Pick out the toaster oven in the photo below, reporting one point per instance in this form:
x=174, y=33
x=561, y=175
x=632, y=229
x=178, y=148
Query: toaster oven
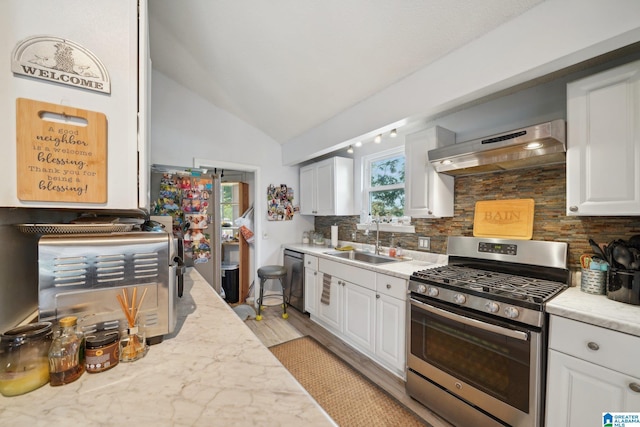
x=82, y=275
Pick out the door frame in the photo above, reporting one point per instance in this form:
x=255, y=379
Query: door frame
x=257, y=201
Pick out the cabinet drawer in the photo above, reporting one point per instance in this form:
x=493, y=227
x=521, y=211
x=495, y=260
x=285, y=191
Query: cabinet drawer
x=310, y=261
x=359, y=276
x=594, y=344
x=395, y=287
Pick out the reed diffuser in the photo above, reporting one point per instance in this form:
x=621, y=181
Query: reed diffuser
x=133, y=345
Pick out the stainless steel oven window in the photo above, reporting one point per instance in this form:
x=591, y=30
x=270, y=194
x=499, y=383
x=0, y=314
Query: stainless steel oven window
x=491, y=361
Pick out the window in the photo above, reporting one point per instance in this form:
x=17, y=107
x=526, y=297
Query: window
x=384, y=183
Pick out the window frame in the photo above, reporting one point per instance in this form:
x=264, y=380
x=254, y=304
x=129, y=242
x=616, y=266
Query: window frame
x=367, y=188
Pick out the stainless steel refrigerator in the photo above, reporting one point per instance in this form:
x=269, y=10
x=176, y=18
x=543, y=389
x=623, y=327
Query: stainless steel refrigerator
x=189, y=200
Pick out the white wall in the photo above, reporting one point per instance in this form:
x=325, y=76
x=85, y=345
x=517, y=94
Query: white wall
x=549, y=37
x=184, y=126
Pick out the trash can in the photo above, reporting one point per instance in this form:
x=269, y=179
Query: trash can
x=230, y=282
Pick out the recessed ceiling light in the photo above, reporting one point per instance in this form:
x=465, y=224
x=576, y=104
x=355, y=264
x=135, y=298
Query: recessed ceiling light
x=358, y=144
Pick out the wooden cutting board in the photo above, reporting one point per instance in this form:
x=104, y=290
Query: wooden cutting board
x=61, y=153
x=506, y=219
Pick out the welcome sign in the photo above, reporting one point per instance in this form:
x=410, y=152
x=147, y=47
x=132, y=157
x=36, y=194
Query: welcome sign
x=60, y=61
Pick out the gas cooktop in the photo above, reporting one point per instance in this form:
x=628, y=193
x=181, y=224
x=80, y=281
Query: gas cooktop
x=510, y=279
x=490, y=283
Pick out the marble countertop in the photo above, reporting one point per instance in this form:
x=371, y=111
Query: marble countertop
x=212, y=371
x=412, y=261
x=596, y=310
x=574, y=304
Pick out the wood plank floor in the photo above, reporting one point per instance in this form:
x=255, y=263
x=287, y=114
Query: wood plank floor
x=273, y=329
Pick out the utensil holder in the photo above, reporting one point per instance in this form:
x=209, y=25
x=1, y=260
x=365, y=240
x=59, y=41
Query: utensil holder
x=593, y=282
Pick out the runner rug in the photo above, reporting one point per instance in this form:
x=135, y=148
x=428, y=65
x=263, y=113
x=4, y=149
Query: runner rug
x=346, y=395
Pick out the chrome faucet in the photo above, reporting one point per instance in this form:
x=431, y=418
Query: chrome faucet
x=377, y=221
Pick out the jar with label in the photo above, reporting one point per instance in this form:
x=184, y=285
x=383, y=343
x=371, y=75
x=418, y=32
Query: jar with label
x=66, y=356
x=23, y=358
x=102, y=351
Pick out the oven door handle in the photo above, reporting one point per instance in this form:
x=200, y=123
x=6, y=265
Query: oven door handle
x=519, y=335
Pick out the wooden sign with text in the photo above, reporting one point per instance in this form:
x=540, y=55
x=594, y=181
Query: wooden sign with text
x=61, y=153
x=506, y=219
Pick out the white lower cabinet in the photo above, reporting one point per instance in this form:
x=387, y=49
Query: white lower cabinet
x=331, y=314
x=589, y=372
x=311, y=286
x=391, y=309
x=368, y=312
x=359, y=315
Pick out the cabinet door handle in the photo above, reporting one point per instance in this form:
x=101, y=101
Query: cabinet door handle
x=388, y=286
x=573, y=208
x=593, y=346
x=635, y=387
x=378, y=296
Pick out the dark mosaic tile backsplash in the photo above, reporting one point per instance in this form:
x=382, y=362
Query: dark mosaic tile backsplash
x=547, y=186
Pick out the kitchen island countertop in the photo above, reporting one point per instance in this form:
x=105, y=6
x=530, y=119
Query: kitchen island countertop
x=596, y=310
x=212, y=371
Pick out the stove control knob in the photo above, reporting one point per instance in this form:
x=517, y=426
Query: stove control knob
x=421, y=289
x=492, y=307
x=459, y=299
x=432, y=292
x=511, y=312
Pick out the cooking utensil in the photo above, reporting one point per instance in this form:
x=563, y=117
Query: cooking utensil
x=597, y=250
x=635, y=253
x=622, y=255
x=634, y=242
x=585, y=261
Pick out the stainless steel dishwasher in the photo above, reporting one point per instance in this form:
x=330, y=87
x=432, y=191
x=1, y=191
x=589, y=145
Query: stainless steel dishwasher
x=294, y=283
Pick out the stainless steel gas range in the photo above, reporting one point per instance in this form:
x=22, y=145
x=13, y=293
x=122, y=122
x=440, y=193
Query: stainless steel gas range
x=477, y=330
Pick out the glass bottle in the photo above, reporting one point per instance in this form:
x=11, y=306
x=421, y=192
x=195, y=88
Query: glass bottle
x=23, y=358
x=392, y=246
x=66, y=356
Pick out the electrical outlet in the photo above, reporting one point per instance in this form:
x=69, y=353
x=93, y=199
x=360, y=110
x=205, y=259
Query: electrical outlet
x=424, y=243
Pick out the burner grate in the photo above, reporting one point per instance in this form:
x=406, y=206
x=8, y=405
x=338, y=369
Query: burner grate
x=491, y=283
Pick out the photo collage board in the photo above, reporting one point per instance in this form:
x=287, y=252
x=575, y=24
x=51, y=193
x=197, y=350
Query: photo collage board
x=186, y=199
x=280, y=203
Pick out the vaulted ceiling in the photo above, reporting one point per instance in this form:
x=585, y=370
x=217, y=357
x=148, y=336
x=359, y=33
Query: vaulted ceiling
x=286, y=66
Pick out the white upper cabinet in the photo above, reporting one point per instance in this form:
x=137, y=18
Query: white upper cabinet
x=428, y=194
x=326, y=187
x=603, y=143
x=87, y=38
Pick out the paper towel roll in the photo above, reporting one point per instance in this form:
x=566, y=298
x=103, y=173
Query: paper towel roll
x=334, y=236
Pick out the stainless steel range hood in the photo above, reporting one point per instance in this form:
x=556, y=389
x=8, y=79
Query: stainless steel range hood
x=538, y=145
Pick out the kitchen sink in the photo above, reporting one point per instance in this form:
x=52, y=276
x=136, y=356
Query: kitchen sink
x=363, y=257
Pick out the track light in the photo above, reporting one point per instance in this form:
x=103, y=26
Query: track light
x=378, y=139
x=350, y=150
x=393, y=133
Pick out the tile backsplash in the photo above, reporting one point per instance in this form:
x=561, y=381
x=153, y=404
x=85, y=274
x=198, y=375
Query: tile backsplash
x=547, y=186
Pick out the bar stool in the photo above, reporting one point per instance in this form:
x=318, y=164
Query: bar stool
x=271, y=272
